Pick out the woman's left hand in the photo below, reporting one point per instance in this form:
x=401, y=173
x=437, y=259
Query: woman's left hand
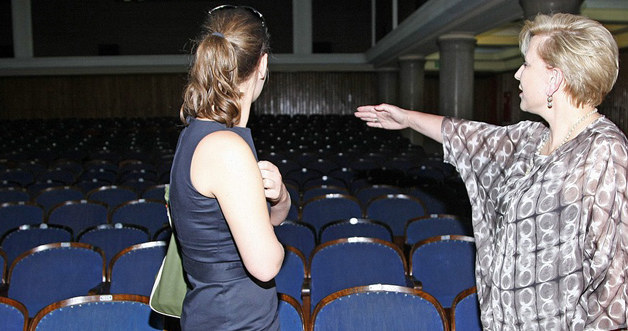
x=272, y=181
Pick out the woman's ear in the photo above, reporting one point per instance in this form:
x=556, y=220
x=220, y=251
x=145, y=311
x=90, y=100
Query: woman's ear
x=263, y=67
x=555, y=81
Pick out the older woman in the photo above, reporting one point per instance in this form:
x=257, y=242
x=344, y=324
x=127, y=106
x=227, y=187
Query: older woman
x=550, y=204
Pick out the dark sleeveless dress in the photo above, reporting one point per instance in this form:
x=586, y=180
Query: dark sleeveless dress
x=222, y=296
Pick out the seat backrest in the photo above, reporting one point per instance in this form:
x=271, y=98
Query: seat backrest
x=318, y=190
x=325, y=180
x=355, y=227
x=13, y=194
x=379, y=307
x=465, y=311
x=23, y=177
x=78, y=215
x=357, y=261
x=150, y=214
x=163, y=233
x=113, y=238
x=295, y=194
x=328, y=208
x=290, y=314
x=52, y=196
x=367, y=193
x=445, y=265
x=301, y=175
x=290, y=278
x=434, y=197
x=3, y=266
x=98, y=312
x=395, y=210
x=103, y=174
x=133, y=270
x=64, y=176
x=421, y=228
x=155, y=192
x=14, y=214
x=299, y=235
x=72, y=165
x=13, y=315
x=27, y=237
x=112, y=195
x=53, y=272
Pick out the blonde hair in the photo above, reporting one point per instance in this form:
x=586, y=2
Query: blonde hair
x=228, y=52
x=582, y=48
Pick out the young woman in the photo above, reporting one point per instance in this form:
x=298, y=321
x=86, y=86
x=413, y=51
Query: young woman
x=223, y=202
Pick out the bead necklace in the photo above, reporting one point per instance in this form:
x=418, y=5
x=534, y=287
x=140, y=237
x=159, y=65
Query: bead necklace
x=545, y=138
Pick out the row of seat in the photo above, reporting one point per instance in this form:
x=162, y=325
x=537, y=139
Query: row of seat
x=442, y=266
x=363, y=308
x=392, y=209
x=154, y=252
x=112, y=204
x=110, y=238
x=60, y=270
x=86, y=175
x=110, y=195
x=305, y=236
x=79, y=215
x=119, y=233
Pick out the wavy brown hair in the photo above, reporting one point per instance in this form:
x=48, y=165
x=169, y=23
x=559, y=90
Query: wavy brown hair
x=227, y=53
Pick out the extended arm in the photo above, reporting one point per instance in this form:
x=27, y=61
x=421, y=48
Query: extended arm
x=394, y=118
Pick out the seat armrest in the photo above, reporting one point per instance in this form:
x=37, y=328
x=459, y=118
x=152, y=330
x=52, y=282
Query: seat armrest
x=305, y=288
x=414, y=283
x=102, y=288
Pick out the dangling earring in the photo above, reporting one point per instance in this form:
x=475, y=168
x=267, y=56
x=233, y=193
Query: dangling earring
x=549, y=101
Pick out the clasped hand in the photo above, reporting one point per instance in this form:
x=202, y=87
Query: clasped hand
x=273, y=182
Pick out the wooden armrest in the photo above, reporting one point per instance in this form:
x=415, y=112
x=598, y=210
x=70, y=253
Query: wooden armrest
x=102, y=288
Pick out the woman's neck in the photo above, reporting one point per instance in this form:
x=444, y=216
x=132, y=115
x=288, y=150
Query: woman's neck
x=566, y=124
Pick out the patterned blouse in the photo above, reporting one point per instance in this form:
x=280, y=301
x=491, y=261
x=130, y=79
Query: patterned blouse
x=551, y=231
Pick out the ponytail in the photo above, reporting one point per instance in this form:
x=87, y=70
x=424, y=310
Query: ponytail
x=226, y=56
x=212, y=91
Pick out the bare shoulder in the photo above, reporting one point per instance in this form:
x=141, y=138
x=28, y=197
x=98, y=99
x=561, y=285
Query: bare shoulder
x=223, y=145
x=227, y=155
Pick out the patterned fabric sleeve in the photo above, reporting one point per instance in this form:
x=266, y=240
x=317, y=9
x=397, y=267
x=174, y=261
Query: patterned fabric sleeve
x=488, y=151
x=605, y=258
x=485, y=156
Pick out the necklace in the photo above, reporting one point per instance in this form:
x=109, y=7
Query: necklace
x=569, y=133
x=545, y=138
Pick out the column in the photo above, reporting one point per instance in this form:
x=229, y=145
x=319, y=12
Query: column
x=388, y=84
x=456, y=75
x=533, y=7
x=302, y=26
x=411, y=89
x=22, y=28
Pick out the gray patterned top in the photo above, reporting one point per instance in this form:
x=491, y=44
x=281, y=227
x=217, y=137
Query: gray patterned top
x=551, y=231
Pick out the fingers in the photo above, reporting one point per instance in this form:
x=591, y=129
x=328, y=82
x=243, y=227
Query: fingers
x=267, y=165
x=367, y=114
x=271, y=179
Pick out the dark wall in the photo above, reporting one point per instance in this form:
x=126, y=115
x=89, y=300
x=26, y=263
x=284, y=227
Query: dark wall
x=98, y=96
x=108, y=27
